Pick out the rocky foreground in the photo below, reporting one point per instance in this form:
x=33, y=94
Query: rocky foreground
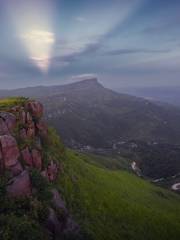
x=23, y=135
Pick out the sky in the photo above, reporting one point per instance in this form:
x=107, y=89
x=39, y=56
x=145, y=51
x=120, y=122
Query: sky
x=124, y=43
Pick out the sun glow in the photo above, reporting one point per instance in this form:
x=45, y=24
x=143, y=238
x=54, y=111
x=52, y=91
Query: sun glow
x=33, y=25
x=39, y=44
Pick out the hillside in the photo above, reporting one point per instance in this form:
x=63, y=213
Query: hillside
x=67, y=195
x=116, y=204
x=92, y=118
x=166, y=94
x=86, y=113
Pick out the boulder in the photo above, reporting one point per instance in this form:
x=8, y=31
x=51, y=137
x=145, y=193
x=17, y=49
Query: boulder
x=10, y=151
x=68, y=225
x=20, y=186
x=58, y=202
x=35, y=108
x=3, y=128
x=10, y=120
x=37, y=159
x=54, y=225
x=16, y=169
x=27, y=158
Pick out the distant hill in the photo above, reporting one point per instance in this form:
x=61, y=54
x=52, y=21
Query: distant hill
x=90, y=117
x=169, y=94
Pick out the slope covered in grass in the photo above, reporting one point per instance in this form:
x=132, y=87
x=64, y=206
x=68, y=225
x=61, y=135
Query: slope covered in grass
x=107, y=204
x=116, y=204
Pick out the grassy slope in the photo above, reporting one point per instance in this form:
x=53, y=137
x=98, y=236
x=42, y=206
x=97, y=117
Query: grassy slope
x=116, y=204
x=108, y=204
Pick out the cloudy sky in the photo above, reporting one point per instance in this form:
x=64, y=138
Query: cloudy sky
x=122, y=42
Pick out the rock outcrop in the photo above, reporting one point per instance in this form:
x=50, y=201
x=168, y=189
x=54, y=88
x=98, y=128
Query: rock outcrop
x=27, y=157
x=51, y=172
x=22, y=126
x=20, y=186
x=22, y=137
x=35, y=108
x=10, y=151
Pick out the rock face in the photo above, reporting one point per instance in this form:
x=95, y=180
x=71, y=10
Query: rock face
x=37, y=159
x=42, y=129
x=27, y=157
x=51, y=172
x=67, y=224
x=10, y=151
x=35, y=108
x=3, y=128
x=30, y=131
x=10, y=120
x=20, y=186
x=16, y=169
x=22, y=136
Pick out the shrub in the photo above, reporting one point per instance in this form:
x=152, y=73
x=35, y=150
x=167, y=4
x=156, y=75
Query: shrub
x=24, y=228
x=41, y=185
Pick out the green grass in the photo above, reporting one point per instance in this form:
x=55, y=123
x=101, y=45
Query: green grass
x=109, y=162
x=7, y=103
x=116, y=204
x=108, y=204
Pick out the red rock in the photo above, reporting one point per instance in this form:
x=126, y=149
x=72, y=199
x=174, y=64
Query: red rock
x=20, y=186
x=1, y=162
x=28, y=117
x=26, y=155
x=3, y=128
x=53, y=224
x=58, y=201
x=35, y=108
x=23, y=134
x=16, y=169
x=37, y=159
x=31, y=130
x=10, y=151
x=42, y=128
x=10, y=120
x=52, y=171
x=22, y=117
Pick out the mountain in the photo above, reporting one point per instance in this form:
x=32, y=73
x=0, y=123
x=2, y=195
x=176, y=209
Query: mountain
x=169, y=94
x=92, y=118
x=49, y=192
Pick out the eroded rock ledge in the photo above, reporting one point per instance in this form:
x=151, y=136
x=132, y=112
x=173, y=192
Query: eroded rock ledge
x=22, y=135
x=22, y=131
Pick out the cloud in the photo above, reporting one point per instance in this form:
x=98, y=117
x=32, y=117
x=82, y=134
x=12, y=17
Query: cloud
x=74, y=54
x=84, y=76
x=124, y=51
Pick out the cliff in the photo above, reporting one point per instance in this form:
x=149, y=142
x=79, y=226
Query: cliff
x=29, y=168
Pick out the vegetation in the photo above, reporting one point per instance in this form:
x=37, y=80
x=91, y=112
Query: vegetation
x=116, y=204
x=7, y=103
x=108, y=203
